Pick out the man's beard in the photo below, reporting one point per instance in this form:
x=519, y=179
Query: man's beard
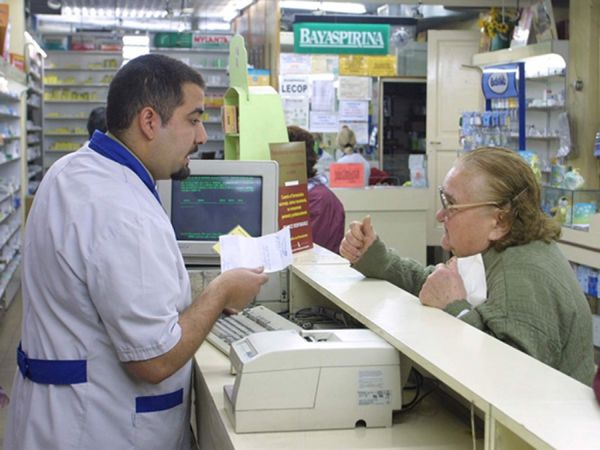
x=181, y=174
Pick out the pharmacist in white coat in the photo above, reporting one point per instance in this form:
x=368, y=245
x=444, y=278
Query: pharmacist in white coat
x=109, y=325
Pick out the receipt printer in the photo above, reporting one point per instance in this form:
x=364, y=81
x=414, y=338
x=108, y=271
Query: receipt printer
x=309, y=380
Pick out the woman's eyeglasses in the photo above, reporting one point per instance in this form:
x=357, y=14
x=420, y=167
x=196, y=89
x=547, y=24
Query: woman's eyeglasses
x=450, y=209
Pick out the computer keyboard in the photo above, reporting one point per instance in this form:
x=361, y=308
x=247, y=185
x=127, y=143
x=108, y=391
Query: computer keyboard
x=251, y=320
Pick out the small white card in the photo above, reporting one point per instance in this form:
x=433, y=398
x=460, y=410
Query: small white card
x=272, y=251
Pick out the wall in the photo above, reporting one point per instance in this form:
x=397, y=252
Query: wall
x=259, y=24
x=16, y=19
x=584, y=105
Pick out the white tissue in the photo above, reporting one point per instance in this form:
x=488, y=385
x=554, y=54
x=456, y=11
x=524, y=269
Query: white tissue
x=472, y=271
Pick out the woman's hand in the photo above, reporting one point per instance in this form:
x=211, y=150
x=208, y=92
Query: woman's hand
x=443, y=286
x=358, y=239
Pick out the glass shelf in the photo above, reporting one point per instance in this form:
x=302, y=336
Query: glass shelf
x=572, y=208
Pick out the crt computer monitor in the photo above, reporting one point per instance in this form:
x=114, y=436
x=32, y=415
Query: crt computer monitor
x=217, y=196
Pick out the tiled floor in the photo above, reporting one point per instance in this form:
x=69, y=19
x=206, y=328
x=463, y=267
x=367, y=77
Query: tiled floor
x=10, y=332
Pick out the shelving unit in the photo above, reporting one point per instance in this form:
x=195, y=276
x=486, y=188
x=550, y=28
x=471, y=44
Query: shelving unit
x=212, y=64
x=34, y=64
x=403, y=117
x=544, y=95
x=12, y=166
x=77, y=74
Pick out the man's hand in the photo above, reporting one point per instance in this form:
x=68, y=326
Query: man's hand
x=443, y=286
x=357, y=239
x=239, y=287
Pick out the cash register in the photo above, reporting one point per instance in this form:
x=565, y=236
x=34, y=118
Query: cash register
x=313, y=379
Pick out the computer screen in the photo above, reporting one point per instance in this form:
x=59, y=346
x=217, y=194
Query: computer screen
x=216, y=197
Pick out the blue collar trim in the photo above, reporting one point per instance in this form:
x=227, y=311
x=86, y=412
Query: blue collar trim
x=114, y=151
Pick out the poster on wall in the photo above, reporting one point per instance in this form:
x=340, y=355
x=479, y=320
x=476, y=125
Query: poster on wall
x=353, y=110
x=354, y=88
x=296, y=111
x=323, y=95
x=294, y=63
x=294, y=86
x=329, y=64
x=323, y=122
x=293, y=192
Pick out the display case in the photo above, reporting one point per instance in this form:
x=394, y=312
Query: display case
x=572, y=208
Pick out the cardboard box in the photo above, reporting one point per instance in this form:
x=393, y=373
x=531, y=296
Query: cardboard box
x=4, y=9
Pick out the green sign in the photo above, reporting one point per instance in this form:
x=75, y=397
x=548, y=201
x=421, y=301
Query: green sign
x=341, y=38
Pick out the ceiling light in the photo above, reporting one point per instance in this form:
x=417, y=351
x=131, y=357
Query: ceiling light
x=338, y=7
x=231, y=12
x=54, y=4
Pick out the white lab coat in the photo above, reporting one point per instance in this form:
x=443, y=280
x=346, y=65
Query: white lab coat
x=104, y=281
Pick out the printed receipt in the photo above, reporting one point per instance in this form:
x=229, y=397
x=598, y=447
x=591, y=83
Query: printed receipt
x=272, y=251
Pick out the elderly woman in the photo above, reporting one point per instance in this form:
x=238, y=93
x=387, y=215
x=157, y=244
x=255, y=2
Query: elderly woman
x=490, y=205
x=326, y=213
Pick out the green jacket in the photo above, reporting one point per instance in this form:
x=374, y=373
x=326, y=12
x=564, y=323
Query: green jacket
x=534, y=302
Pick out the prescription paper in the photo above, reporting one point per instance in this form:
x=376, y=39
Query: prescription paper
x=272, y=251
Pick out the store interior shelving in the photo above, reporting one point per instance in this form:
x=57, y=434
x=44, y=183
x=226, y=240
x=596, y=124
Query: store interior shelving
x=34, y=65
x=12, y=149
x=77, y=73
x=212, y=65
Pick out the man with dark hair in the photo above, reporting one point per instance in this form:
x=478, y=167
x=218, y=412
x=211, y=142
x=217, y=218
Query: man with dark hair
x=109, y=325
x=96, y=120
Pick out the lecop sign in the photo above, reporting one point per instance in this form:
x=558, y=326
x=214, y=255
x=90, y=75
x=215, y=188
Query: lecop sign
x=341, y=38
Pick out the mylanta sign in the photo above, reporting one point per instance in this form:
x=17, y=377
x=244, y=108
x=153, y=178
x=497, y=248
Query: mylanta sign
x=341, y=38
x=500, y=81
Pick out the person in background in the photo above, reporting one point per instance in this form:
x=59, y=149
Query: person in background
x=326, y=212
x=347, y=152
x=4, y=399
x=491, y=206
x=109, y=326
x=96, y=120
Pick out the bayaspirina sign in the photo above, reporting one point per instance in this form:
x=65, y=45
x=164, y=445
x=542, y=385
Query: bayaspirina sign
x=341, y=38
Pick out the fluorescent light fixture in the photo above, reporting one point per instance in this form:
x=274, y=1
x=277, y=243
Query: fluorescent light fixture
x=54, y=4
x=339, y=7
x=232, y=11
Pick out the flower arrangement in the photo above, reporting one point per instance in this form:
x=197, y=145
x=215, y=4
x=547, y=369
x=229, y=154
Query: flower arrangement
x=498, y=21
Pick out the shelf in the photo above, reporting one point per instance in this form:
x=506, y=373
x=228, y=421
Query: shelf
x=85, y=52
x=546, y=78
x=9, y=161
x=100, y=102
x=10, y=138
x=546, y=108
x=66, y=118
x=9, y=237
x=73, y=69
x=35, y=90
x=520, y=53
x=83, y=85
x=8, y=97
x=34, y=129
x=537, y=138
x=65, y=134
x=9, y=116
x=8, y=216
x=34, y=173
x=216, y=69
x=189, y=50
